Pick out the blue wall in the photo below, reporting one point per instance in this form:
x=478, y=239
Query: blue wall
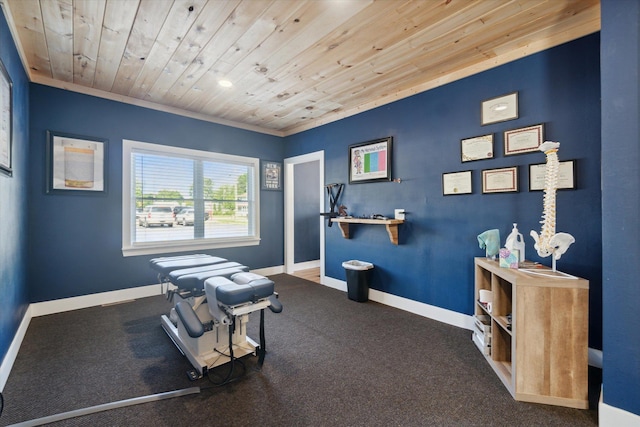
x=13, y=202
x=433, y=263
x=76, y=240
x=620, y=202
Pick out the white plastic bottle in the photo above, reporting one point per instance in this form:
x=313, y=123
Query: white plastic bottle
x=515, y=241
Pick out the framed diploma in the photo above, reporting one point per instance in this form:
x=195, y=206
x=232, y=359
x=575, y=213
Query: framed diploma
x=504, y=180
x=523, y=140
x=499, y=109
x=566, y=176
x=477, y=148
x=456, y=183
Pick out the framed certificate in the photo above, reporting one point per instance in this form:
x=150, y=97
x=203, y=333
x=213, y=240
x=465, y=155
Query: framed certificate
x=504, y=180
x=523, y=140
x=566, y=176
x=477, y=148
x=456, y=183
x=499, y=109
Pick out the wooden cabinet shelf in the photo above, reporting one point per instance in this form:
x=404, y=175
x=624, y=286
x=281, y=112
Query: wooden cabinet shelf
x=542, y=356
x=391, y=225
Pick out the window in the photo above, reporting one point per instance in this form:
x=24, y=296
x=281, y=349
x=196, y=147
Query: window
x=177, y=199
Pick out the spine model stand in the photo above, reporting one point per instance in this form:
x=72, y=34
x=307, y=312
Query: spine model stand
x=549, y=242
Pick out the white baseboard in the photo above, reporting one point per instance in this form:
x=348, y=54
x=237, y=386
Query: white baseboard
x=269, y=271
x=610, y=416
x=12, y=354
x=306, y=265
x=426, y=310
x=85, y=301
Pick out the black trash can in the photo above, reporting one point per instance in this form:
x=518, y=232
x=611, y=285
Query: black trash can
x=358, y=274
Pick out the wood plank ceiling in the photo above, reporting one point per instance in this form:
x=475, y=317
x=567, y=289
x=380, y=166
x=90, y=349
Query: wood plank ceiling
x=294, y=64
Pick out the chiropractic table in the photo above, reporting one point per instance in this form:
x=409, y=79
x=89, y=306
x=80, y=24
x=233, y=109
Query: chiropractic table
x=213, y=298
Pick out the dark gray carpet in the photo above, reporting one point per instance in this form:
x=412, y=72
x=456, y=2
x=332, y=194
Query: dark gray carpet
x=330, y=361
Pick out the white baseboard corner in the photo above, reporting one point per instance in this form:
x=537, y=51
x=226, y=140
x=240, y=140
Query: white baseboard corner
x=269, y=271
x=12, y=354
x=610, y=416
x=306, y=265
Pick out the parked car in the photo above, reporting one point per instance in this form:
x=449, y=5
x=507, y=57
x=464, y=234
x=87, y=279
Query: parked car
x=156, y=215
x=185, y=216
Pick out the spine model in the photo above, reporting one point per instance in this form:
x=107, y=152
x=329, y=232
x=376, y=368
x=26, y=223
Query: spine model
x=549, y=242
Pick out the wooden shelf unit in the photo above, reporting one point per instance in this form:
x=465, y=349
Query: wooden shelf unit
x=391, y=225
x=543, y=357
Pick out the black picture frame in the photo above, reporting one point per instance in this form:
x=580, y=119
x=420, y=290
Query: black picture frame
x=476, y=148
x=6, y=122
x=370, y=161
x=271, y=176
x=523, y=140
x=567, y=176
x=500, y=180
x=457, y=183
x=76, y=164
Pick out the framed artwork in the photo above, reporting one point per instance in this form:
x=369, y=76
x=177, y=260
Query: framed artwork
x=566, y=176
x=499, y=109
x=523, y=140
x=456, y=183
x=503, y=180
x=271, y=175
x=76, y=164
x=477, y=148
x=370, y=161
x=6, y=121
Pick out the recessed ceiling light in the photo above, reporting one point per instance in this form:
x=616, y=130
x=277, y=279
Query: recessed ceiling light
x=225, y=83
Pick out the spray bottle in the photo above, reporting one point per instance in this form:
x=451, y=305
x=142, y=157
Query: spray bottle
x=515, y=241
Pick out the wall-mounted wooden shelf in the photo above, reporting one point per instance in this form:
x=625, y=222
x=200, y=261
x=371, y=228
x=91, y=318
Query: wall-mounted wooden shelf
x=391, y=224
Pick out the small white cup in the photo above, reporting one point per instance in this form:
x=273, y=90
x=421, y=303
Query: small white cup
x=486, y=296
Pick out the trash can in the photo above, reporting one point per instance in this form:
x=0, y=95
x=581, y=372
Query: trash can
x=358, y=273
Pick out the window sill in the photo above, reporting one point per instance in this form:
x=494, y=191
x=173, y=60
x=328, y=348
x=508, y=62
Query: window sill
x=170, y=247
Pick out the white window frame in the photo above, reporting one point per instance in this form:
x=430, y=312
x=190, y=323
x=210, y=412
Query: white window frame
x=130, y=248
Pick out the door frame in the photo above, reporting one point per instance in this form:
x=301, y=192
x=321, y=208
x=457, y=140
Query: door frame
x=289, y=244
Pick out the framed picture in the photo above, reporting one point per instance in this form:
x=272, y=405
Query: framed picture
x=456, y=183
x=271, y=175
x=6, y=121
x=566, y=176
x=504, y=180
x=76, y=164
x=477, y=148
x=499, y=109
x=523, y=140
x=370, y=161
